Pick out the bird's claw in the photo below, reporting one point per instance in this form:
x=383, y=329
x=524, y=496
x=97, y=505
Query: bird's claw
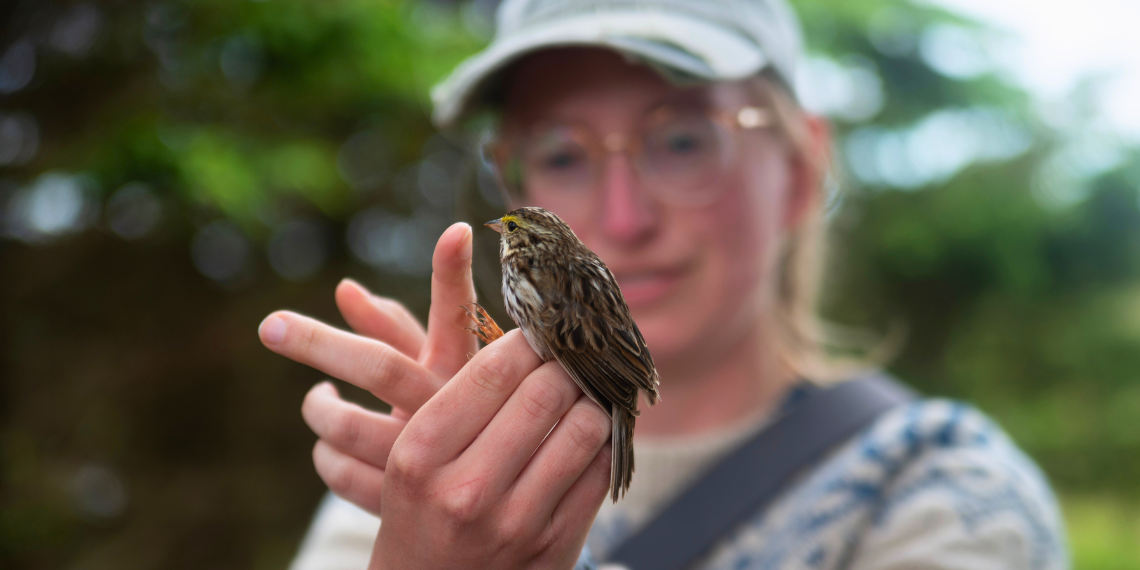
x=485, y=327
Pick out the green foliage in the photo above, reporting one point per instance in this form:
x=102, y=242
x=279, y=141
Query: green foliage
x=1104, y=532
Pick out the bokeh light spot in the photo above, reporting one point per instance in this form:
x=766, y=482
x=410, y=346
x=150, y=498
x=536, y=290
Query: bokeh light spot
x=935, y=148
x=393, y=243
x=298, y=249
x=98, y=493
x=133, y=210
x=220, y=251
x=54, y=205
x=954, y=51
x=19, y=139
x=364, y=160
x=848, y=89
x=77, y=30
x=240, y=61
x=17, y=66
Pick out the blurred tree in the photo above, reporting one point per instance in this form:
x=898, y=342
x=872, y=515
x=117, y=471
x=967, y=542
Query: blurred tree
x=172, y=171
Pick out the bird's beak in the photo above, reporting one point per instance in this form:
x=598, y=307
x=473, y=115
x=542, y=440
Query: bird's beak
x=496, y=225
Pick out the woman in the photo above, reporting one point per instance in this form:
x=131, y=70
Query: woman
x=665, y=134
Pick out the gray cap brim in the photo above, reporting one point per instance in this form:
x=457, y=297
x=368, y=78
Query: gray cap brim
x=678, y=46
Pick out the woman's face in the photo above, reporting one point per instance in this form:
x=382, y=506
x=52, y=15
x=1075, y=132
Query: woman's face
x=697, y=279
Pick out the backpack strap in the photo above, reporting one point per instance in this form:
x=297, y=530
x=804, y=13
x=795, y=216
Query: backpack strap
x=750, y=477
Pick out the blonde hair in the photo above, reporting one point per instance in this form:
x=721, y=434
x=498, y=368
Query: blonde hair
x=811, y=347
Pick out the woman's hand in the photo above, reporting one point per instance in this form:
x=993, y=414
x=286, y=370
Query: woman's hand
x=504, y=468
x=474, y=469
x=395, y=359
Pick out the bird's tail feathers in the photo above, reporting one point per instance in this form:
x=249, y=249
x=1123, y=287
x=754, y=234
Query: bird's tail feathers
x=621, y=470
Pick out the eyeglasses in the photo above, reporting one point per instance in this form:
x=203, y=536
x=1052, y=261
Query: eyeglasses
x=679, y=154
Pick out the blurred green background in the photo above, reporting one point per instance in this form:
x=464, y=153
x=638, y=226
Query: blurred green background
x=171, y=172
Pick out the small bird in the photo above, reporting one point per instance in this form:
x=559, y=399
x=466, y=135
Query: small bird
x=570, y=308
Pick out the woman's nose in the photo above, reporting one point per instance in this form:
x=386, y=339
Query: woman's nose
x=629, y=215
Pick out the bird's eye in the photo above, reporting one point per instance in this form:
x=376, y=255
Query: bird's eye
x=511, y=226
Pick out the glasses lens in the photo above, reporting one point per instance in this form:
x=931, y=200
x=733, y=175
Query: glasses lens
x=685, y=153
x=553, y=161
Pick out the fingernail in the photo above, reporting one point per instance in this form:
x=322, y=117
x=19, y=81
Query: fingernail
x=352, y=282
x=465, y=243
x=272, y=330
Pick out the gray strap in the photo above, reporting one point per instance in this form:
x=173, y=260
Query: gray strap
x=747, y=480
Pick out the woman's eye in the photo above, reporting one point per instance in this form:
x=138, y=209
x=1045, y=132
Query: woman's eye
x=560, y=161
x=683, y=144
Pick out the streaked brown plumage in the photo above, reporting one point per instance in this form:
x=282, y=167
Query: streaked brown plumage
x=570, y=308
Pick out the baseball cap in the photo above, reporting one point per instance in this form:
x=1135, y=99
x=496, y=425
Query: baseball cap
x=687, y=41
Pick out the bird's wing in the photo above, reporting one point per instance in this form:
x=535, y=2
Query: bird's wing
x=597, y=342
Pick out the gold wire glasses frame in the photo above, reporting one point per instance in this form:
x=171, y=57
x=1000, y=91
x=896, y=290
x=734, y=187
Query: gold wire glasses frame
x=678, y=153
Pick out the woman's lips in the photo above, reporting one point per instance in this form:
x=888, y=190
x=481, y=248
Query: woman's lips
x=647, y=287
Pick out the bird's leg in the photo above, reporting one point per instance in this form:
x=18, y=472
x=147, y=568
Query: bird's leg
x=485, y=327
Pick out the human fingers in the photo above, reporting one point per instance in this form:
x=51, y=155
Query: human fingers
x=448, y=341
x=452, y=419
x=576, y=511
x=367, y=363
x=503, y=448
x=348, y=477
x=351, y=429
x=382, y=319
x=562, y=458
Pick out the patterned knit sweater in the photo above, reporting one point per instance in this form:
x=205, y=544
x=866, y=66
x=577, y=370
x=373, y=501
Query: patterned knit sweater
x=930, y=485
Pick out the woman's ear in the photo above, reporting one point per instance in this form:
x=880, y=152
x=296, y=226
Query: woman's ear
x=809, y=166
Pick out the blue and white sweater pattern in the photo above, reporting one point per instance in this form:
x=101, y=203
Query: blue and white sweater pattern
x=933, y=484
